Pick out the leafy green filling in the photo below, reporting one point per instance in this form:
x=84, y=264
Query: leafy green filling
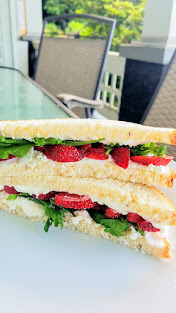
x=56, y=214
x=147, y=148
x=52, y=141
x=116, y=227
x=20, y=147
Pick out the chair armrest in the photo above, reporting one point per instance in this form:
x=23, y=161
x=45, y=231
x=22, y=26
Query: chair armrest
x=74, y=101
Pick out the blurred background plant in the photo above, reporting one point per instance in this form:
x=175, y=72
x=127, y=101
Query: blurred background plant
x=129, y=16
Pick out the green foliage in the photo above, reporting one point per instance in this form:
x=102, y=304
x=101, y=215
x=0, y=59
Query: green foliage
x=147, y=148
x=56, y=214
x=17, y=150
x=128, y=14
x=49, y=141
x=116, y=227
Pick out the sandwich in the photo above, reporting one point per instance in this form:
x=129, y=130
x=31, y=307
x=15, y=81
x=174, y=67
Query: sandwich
x=93, y=176
x=135, y=215
x=87, y=148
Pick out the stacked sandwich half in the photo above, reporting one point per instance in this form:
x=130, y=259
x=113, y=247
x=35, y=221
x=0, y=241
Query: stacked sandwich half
x=90, y=175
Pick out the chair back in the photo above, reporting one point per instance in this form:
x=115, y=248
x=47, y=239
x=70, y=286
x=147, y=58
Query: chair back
x=72, y=54
x=162, y=110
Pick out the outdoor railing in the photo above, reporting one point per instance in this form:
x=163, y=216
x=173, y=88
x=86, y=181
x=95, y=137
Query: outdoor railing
x=111, y=88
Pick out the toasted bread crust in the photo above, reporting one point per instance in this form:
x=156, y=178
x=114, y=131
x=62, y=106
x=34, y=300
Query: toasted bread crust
x=87, y=129
x=87, y=168
x=147, y=201
x=140, y=244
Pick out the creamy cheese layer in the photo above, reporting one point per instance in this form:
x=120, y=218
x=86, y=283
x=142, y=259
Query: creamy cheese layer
x=30, y=208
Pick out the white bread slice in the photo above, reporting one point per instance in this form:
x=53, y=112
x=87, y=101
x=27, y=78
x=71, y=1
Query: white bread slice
x=87, y=129
x=40, y=165
x=124, y=197
x=22, y=208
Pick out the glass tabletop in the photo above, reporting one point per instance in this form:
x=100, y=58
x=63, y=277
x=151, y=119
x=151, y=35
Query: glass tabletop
x=21, y=99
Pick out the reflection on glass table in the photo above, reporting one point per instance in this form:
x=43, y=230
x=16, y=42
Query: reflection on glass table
x=21, y=98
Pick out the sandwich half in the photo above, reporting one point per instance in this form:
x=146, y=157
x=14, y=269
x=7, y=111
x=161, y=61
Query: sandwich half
x=87, y=148
x=132, y=214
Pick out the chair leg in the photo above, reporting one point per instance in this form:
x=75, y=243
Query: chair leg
x=89, y=112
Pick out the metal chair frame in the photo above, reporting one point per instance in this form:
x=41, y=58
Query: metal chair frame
x=109, y=21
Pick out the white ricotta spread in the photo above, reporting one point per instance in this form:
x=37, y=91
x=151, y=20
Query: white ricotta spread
x=31, y=190
x=157, y=169
x=153, y=240
x=134, y=234
x=80, y=216
x=30, y=208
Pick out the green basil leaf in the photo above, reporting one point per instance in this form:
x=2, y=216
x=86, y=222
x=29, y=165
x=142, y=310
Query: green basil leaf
x=14, y=196
x=116, y=227
x=80, y=143
x=49, y=141
x=9, y=141
x=56, y=215
x=18, y=151
x=145, y=149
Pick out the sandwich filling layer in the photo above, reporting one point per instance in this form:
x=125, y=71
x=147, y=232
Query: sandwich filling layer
x=146, y=156
x=58, y=201
x=98, y=216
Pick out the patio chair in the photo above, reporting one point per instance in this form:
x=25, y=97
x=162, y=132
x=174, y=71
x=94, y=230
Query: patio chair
x=71, y=63
x=161, y=111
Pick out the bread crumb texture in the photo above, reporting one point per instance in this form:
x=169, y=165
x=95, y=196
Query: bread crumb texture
x=40, y=165
x=87, y=129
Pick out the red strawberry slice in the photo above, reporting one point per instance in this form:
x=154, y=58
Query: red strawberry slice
x=61, y=153
x=110, y=213
x=98, y=207
x=82, y=149
x=9, y=157
x=68, y=200
x=147, y=226
x=10, y=190
x=146, y=160
x=133, y=218
x=98, y=153
x=121, y=156
x=46, y=196
x=41, y=149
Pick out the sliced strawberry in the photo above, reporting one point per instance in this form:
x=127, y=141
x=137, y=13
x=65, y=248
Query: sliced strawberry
x=110, y=213
x=98, y=153
x=9, y=157
x=46, y=196
x=41, y=149
x=98, y=207
x=10, y=190
x=82, y=149
x=61, y=153
x=68, y=200
x=147, y=226
x=146, y=160
x=133, y=218
x=121, y=156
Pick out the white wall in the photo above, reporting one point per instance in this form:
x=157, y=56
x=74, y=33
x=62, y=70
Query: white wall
x=158, y=40
x=34, y=16
x=13, y=51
